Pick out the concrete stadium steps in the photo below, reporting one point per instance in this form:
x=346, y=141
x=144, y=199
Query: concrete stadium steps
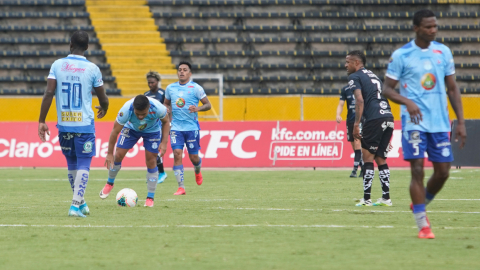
x=131, y=42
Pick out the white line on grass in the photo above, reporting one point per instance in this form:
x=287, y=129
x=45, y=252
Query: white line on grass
x=339, y=210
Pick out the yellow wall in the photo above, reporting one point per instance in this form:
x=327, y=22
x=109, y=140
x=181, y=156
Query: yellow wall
x=236, y=108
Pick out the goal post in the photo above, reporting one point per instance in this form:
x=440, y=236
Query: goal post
x=217, y=102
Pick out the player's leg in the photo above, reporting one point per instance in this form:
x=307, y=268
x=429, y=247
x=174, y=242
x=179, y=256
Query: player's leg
x=356, y=147
x=358, y=155
x=162, y=175
x=381, y=160
x=177, y=141
x=150, y=143
x=68, y=150
x=193, y=146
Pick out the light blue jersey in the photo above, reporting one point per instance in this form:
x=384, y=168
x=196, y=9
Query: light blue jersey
x=76, y=76
x=126, y=117
x=421, y=73
x=181, y=97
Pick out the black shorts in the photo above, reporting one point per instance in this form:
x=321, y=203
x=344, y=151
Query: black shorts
x=350, y=137
x=376, y=135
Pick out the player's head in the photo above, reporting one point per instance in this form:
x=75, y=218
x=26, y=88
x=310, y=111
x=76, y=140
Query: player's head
x=79, y=42
x=354, y=61
x=184, y=72
x=153, y=80
x=141, y=104
x=425, y=25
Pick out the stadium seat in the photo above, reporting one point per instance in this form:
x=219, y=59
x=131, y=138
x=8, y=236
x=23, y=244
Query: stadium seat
x=304, y=66
x=36, y=67
x=40, y=79
x=41, y=91
x=308, y=78
x=44, y=15
x=40, y=41
x=43, y=2
x=47, y=53
x=39, y=28
x=299, y=2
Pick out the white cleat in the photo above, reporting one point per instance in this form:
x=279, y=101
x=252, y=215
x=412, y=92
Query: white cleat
x=364, y=203
x=383, y=202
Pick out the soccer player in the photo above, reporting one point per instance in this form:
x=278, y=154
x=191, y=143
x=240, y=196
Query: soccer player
x=138, y=118
x=424, y=67
x=377, y=129
x=347, y=95
x=185, y=95
x=71, y=80
x=154, y=82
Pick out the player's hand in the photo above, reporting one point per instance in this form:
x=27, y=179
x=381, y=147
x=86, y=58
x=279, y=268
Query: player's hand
x=42, y=130
x=109, y=161
x=101, y=112
x=193, y=108
x=339, y=119
x=162, y=148
x=415, y=113
x=356, y=132
x=461, y=132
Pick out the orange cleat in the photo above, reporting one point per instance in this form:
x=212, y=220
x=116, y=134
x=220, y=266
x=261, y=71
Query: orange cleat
x=426, y=233
x=199, y=178
x=105, y=191
x=149, y=202
x=180, y=191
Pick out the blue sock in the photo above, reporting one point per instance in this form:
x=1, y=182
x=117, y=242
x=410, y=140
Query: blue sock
x=418, y=208
x=428, y=197
x=198, y=166
x=178, y=170
x=152, y=177
x=112, y=173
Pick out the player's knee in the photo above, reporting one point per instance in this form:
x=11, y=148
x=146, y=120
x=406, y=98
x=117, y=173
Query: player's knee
x=442, y=174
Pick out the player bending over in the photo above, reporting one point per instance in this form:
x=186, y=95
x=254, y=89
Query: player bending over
x=424, y=67
x=185, y=95
x=377, y=129
x=71, y=80
x=138, y=118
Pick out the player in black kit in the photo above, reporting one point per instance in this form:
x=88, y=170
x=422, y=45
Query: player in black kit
x=347, y=95
x=154, y=81
x=377, y=127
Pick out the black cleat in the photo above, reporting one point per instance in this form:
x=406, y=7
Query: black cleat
x=353, y=174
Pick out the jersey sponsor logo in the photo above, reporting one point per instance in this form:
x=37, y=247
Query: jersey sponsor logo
x=180, y=102
x=391, y=60
x=71, y=116
x=87, y=147
x=190, y=86
x=350, y=82
x=120, y=114
x=415, y=137
x=151, y=113
x=443, y=144
x=71, y=68
x=437, y=51
x=383, y=104
x=428, y=81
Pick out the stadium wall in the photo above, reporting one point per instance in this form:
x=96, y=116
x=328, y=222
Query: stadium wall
x=235, y=108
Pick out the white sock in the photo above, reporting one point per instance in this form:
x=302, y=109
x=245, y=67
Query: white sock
x=81, y=181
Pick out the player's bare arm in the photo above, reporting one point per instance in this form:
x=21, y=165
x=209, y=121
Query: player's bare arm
x=205, y=107
x=455, y=99
x=45, y=107
x=103, y=100
x=168, y=103
x=165, y=130
x=358, y=113
x=339, y=110
x=111, y=144
x=390, y=93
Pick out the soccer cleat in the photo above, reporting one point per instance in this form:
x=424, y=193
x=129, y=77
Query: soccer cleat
x=105, y=191
x=75, y=212
x=199, y=178
x=180, y=191
x=149, y=202
x=426, y=233
x=161, y=177
x=383, y=202
x=364, y=203
x=84, y=209
x=353, y=174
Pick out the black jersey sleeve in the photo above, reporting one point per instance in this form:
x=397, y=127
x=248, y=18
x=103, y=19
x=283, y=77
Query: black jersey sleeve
x=343, y=96
x=354, y=82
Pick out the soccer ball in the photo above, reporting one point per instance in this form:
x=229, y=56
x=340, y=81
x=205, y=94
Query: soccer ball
x=127, y=197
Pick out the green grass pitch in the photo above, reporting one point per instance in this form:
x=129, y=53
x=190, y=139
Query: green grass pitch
x=235, y=220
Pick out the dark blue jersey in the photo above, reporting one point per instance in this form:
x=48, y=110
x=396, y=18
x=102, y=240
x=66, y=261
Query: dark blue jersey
x=347, y=95
x=159, y=95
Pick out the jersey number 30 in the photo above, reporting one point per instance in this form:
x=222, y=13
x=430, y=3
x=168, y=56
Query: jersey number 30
x=73, y=93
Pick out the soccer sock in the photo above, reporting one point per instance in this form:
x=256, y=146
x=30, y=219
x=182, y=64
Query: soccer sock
x=112, y=173
x=420, y=215
x=198, y=166
x=356, y=160
x=367, y=180
x=71, y=177
x=160, y=165
x=384, y=174
x=428, y=197
x=152, y=177
x=81, y=181
x=178, y=170
x=72, y=169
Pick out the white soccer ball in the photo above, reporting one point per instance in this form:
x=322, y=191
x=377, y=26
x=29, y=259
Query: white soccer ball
x=127, y=197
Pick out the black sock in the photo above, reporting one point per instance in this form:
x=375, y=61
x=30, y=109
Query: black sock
x=384, y=174
x=368, y=176
x=357, y=159
x=160, y=165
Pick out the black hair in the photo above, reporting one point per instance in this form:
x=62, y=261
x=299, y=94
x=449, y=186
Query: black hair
x=185, y=63
x=360, y=55
x=419, y=15
x=79, y=40
x=141, y=102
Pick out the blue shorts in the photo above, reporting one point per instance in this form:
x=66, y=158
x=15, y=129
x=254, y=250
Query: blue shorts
x=437, y=145
x=128, y=138
x=80, y=145
x=189, y=138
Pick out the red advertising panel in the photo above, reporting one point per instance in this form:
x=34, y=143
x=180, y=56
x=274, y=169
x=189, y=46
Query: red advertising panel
x=224, y=144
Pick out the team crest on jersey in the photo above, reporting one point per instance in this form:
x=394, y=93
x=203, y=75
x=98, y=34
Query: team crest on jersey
x=154, y=145
x=180, y=102
x=120, y=114
x=383, y=104
x=87, y=147
x=428, y=81
x=142, y=127
x=350, y=82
